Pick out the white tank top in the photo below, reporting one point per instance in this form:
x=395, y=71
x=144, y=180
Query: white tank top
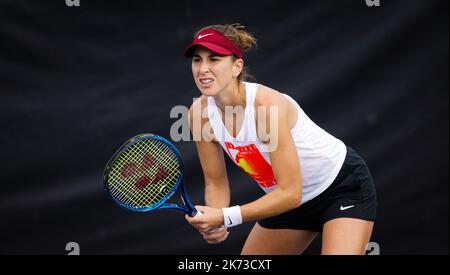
x=321, y=155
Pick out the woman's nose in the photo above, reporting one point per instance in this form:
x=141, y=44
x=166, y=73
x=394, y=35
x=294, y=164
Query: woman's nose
x=204, y=67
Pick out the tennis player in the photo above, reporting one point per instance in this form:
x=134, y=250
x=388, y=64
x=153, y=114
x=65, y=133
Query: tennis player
x=313, y=181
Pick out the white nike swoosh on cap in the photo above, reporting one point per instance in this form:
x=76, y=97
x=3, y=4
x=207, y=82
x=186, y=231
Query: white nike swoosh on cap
x=346, y=207
x=204, y=35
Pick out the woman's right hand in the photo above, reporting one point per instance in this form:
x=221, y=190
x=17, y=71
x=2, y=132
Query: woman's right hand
x=212, y=236
x=216, y=235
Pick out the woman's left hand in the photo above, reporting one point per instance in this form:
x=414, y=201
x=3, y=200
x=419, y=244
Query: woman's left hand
x=210, y=219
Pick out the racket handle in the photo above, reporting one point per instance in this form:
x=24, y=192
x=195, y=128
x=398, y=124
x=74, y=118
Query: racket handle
x=198, y=213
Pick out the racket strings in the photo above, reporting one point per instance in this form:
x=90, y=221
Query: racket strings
x=145, y=196
x=156, y=151
x=127, y=185
x=170, y=166
x=144, y=174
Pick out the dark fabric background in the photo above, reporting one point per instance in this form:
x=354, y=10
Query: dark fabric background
x=77, y=82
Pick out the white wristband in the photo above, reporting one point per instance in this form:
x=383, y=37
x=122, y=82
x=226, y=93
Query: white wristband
x=232, y=216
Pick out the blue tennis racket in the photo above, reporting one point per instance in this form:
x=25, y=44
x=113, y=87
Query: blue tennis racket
x=144, y=173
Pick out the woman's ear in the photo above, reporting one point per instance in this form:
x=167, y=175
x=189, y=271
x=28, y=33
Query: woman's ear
x=238, y=67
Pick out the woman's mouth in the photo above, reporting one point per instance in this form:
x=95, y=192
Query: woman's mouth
x=206, y=81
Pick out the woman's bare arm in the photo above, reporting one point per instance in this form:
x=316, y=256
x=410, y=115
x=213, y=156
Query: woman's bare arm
x=217, y=191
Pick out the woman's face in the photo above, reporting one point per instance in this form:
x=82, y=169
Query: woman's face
x=212, y=72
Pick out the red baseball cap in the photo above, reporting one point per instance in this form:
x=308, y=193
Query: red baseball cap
x=214, y=41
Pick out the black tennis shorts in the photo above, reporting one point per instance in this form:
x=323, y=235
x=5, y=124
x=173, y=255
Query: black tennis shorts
x=351, y=195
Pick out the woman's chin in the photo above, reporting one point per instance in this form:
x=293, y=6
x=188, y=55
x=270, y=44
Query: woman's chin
x=208, y=91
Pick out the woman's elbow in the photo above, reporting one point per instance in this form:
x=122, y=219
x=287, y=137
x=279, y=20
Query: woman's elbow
x=294, y=198
x=297, y=193
x=293, y=194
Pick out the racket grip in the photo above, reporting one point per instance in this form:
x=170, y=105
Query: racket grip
x=198, y=213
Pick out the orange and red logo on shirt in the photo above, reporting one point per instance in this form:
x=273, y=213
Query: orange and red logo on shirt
x=250, y=159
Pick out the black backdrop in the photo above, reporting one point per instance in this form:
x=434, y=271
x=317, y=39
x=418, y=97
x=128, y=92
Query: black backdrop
x=76, y=82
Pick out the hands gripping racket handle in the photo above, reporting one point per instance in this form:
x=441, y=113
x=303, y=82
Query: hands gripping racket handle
x=216, y=230
x=198, y=213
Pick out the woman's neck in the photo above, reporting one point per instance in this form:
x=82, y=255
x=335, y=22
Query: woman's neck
x=234, y=95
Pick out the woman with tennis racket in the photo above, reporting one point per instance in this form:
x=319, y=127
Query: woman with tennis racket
x=313, y=181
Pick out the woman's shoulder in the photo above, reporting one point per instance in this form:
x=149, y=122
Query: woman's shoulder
x=266, y=96
x=201, y=103
x=198, y=111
